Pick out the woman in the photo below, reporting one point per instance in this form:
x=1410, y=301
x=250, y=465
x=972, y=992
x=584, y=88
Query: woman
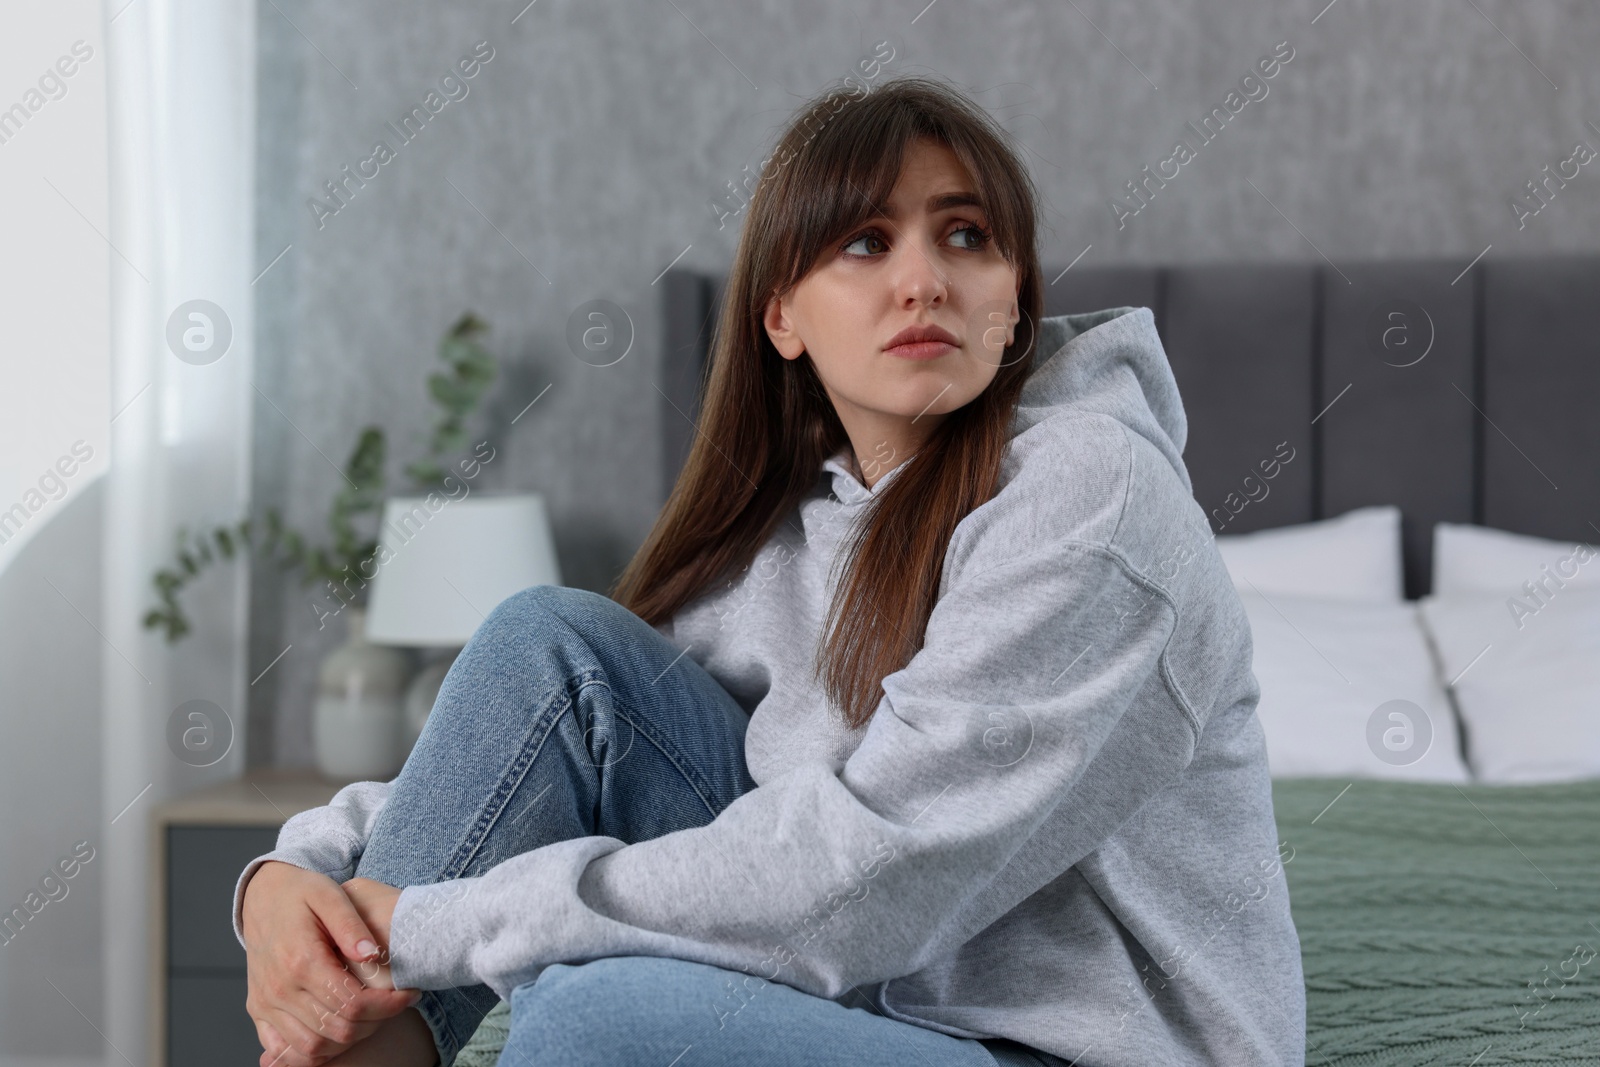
x=935, y=571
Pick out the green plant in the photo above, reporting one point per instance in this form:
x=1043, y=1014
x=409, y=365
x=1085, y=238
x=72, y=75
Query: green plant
x=457, y=391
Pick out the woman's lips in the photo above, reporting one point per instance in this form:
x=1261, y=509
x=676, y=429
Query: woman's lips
x=921, y=350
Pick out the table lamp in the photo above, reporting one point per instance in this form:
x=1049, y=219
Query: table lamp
x=442, y=570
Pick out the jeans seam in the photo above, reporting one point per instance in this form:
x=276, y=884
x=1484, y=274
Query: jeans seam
x=701, y=786
x=430, y=1006
x=532, y=744
x=433, y=1014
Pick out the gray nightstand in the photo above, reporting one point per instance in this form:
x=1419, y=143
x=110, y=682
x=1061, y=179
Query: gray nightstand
x=202, y=841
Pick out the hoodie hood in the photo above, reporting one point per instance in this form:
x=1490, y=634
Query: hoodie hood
x=846, y=486
x=1110, y=363
x=1107, y=362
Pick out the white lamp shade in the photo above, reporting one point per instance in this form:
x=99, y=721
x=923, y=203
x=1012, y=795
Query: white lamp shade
x=442, y=569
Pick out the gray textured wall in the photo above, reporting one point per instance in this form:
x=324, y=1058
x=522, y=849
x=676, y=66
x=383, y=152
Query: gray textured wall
x=589, y=150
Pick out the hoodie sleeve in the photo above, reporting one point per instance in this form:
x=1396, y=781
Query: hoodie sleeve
x=1037, y=717
x=328, y=840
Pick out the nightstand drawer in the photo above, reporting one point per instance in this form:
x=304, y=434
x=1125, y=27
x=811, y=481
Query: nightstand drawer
x=202, y=842
x=203, y=865
x=206, y=1020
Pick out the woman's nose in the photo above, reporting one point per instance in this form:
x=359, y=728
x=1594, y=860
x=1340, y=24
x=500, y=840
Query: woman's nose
x=919, y=279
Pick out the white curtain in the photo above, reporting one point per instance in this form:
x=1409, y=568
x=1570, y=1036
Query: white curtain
x=182, y=153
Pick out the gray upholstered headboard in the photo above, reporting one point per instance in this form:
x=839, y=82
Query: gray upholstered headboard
x=1496, y=421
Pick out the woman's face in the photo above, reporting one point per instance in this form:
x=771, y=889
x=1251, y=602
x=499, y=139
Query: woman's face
x=927, y=262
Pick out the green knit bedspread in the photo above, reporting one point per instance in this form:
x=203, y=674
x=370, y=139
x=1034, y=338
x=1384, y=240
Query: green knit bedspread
x=1444, y=924
x=1439, y=924
x=487, y=1041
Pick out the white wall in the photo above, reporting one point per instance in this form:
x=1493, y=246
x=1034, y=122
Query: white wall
x=53, y=264
x=55, y=408
x=128, y=195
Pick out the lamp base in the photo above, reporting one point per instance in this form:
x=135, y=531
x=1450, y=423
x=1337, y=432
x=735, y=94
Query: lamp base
x=356, y=721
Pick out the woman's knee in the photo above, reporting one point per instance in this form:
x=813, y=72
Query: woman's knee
x=622, y=1005
x=613, y=978
x=578, y=609
x=526, y=617
x=525, y=604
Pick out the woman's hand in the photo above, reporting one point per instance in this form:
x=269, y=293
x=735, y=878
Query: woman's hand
x=300, y=927
x=374, y=902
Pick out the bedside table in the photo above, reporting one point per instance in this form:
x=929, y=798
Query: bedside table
x=202, y=841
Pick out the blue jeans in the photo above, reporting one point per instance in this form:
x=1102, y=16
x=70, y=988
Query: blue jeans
x=566, y=715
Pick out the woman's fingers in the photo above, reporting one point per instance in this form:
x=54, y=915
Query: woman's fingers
x=308, y=983
x=271, y=1042
x=287, y=1043
x=309, y=1046
x=314, y=1021
x=342, y=988
x=360, y=1003
x=376, y=1005
x=346, y=929
x=357, y=990
x=277, y=1049
x=374, y=974
x=314, y=988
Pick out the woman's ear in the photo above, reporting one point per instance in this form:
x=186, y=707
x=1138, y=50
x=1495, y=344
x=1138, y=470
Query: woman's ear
x=1013, y=317
x=781, y=330
x=1016, y=314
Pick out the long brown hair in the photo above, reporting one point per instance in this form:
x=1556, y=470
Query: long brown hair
x=766, y=423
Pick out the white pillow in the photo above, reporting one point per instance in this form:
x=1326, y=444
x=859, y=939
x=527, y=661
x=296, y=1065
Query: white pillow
x=1526, y=677
x=1482, y=558
x=1328, y=668
x=1353, y=557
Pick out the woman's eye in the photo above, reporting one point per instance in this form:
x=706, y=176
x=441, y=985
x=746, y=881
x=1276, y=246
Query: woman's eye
x=978, y=238
x=868, y=236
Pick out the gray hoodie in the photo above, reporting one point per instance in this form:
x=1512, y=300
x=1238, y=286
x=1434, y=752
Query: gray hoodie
x=1057, y=827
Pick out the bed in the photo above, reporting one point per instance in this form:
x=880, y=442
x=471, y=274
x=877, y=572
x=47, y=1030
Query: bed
x=1441, y=922
x=1445, y=924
